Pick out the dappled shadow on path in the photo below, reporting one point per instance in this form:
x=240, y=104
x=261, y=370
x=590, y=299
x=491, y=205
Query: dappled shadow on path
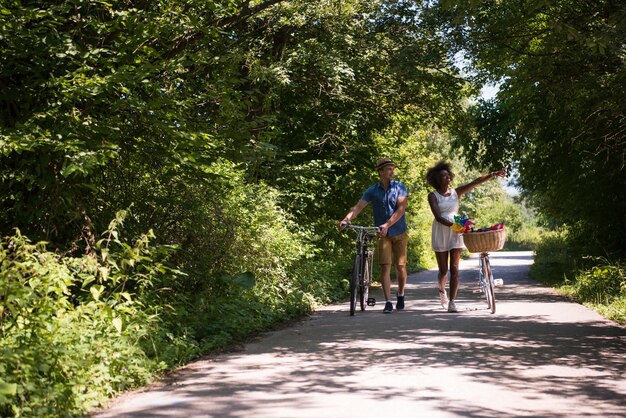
x=523, y=364
x=523, y=355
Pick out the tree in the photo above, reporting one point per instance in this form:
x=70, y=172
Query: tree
x=333, y=75
x=559, y=111
x=143, y=99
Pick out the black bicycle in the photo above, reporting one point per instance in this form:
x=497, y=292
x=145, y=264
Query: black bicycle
x=362, y=272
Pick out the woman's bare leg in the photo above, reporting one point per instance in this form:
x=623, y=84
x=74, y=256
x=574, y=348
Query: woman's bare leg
x=442, y=263
x=455, y=256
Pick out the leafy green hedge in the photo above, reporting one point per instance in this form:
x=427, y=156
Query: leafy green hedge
x=77, y=330
x=597, y=282
x=70, y=326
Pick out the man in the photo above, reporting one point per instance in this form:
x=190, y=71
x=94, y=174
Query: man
x=389, y=199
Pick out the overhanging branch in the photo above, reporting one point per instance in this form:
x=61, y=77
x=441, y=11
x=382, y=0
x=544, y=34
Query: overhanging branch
x=246, y=12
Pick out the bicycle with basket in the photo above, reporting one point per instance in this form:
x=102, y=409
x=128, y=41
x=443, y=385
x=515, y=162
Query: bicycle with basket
x=483, y=242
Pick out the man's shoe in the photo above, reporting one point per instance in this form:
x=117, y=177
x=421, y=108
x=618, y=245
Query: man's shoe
x=452, y=307
x=400, y=303
x=388, y=307
x=443, y=299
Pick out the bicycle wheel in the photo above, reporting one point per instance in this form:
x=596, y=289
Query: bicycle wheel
x=364, y=286
x=489, y=291
x=354, y=283
x=491, y=287
x=482, y=283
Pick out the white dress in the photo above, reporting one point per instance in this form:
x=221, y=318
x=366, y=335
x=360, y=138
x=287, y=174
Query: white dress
x=444, y=238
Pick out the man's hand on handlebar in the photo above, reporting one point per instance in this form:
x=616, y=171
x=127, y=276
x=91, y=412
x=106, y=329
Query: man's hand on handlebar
x=342, y=224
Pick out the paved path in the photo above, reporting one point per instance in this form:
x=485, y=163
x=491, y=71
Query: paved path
x=539, y=355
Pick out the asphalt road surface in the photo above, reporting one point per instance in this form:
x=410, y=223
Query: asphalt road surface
x=539, y=355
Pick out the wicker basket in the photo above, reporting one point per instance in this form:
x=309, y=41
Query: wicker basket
x=480, y=242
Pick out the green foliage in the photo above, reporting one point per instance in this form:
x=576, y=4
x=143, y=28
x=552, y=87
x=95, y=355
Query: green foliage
x=595, y=281
x=524, y=239
x=347, y=73
x=602, y=283
x=110, y=320
x=559, y=111
x=291, y=278
x=554, y=260
x=70, y=326
x=146, y=102
x=234, y=131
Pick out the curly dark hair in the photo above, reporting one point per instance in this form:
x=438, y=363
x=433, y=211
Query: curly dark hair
x=432, y=175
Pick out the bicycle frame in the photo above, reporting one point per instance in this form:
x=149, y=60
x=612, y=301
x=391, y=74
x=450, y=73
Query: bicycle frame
x=362, y=273
x=486, y=281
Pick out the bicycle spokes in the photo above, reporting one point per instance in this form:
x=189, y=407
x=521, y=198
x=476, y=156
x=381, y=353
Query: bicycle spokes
x=486, y=281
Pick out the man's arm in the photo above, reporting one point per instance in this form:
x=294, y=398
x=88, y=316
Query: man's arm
x=354, y=212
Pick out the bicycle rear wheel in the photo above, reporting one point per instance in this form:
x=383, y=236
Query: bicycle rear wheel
x=354, y=283
x=364, y=286
x=489, y=286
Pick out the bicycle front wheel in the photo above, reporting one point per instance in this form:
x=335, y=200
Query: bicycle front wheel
x=354, y=283
x=489, y=286
x=364, y=287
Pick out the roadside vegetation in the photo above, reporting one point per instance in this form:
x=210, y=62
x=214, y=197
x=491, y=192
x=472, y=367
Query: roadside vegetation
x=563, y=261
x=171, y=171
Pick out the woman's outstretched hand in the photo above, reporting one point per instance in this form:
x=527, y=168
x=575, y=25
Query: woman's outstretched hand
x=500, y=173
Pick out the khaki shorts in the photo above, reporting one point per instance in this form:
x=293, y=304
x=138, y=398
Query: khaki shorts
x=394, y=246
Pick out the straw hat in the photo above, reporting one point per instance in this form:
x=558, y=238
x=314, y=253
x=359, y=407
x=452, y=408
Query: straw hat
x=384, y=162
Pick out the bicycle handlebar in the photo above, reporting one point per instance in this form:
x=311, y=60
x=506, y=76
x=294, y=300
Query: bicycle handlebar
x=362, y=228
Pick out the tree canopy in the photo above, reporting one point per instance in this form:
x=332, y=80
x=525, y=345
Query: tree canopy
x=110, y=104
x=559, y=113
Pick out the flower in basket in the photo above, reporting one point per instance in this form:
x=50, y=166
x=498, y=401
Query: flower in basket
x=462, y=223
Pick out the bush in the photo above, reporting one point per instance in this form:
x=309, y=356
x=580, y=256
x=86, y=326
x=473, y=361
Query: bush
x=595, y=281
x=554, y=261
x=602, y=287
x=71, y=326
x=524, y=239
x=602, y=283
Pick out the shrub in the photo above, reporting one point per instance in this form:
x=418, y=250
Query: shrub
x=602, y=283
x=554, y=261
x=70, y=327
x=524, y=239
x=601, y=287
x=595, y=281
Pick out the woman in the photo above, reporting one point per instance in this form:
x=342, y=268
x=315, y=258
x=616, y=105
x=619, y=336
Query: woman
x=444, y=203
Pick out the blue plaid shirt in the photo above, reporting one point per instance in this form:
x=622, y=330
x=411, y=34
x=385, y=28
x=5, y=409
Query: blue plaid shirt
x=385, y=203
